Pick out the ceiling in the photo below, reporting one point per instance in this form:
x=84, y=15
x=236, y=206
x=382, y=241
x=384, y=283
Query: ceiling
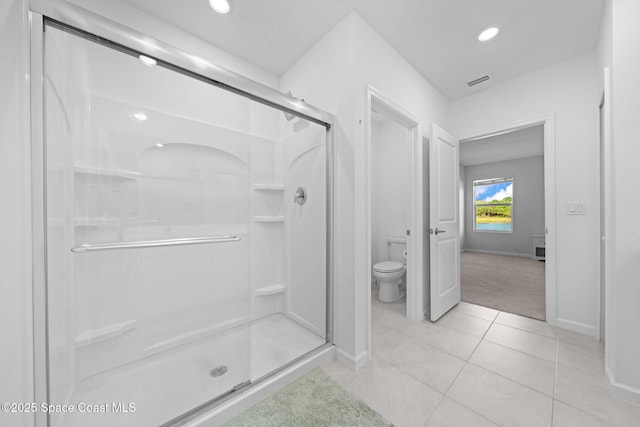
x=519, y=144
x=438, y=37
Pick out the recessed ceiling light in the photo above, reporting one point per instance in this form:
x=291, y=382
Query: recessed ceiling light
x=220, y=6
x=149, y=62
x=140, y=116
x=489, y=33
x=159, y=145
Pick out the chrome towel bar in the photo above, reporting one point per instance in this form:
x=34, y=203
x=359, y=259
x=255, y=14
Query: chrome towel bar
x=154, y=243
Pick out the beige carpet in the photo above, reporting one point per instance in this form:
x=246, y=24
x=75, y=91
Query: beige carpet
x=506, y=283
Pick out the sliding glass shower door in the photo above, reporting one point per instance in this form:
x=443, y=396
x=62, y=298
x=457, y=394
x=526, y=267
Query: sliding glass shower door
x=185, y=236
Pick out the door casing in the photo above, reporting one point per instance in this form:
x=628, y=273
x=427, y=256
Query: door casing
x=415, y=242
x=548, y=123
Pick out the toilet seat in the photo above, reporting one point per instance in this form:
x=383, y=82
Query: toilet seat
x=388, y=267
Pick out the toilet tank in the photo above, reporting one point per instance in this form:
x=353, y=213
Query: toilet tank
x=396, y=247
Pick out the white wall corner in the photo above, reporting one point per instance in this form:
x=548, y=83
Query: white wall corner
x=622, y=391
x=350, y=361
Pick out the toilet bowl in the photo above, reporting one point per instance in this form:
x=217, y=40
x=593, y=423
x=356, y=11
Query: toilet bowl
x=390, y=274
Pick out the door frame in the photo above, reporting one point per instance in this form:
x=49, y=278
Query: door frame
x=548, y=122
x=605, y=171
x=415, y=242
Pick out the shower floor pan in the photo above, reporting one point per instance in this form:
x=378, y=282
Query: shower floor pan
x=165, y=386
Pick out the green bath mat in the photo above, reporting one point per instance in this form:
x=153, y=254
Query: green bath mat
x=314, y=400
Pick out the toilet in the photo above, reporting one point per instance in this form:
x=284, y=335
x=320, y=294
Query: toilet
x=390, y=274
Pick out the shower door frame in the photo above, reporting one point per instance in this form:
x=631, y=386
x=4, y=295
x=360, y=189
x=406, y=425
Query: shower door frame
x=85, y=23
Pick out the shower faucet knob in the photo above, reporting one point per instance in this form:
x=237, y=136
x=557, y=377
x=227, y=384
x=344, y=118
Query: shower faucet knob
x=301, y=196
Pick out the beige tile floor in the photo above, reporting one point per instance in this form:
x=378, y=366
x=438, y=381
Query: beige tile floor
x=480, y=367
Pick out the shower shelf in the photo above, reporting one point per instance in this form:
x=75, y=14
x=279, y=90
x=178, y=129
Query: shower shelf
x=269, y=290
x=268, y=187
x=263, y=218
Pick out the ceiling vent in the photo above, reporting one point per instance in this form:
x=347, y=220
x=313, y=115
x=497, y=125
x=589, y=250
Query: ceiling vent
x=477, y=81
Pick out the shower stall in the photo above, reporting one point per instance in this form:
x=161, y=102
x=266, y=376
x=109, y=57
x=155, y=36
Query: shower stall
x=185, y=214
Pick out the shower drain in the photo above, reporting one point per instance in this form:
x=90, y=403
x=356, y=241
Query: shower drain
x=218, y=371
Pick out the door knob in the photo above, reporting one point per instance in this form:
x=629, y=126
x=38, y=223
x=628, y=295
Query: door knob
x=436, y=231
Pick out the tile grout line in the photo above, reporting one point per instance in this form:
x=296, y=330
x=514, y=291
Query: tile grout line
x=466, y=362
x=519, y=351
x=524, y=353
x=442, y=395
x=431, y=346
x=511, y=380
x=496, y=320
x=555, y=378
x=434, y=411
x=588, y=414
x=529, y=331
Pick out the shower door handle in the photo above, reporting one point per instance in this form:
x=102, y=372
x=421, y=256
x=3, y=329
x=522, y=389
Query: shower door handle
x=155, y=243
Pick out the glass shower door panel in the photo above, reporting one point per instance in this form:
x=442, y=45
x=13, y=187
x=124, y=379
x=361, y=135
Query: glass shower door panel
x=148, y=236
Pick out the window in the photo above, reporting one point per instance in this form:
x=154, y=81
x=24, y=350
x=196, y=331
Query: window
x=493, y=205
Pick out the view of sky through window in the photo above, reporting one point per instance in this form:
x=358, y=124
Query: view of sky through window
x=493, y=204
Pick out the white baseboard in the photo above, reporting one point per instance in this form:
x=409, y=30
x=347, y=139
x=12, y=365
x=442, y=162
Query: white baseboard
x=234, y=407
x=352, y=362
x=577, y=327
x=482, y=251
x=623, y=391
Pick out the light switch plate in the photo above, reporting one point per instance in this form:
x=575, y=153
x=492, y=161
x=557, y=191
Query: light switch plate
x=577, y=208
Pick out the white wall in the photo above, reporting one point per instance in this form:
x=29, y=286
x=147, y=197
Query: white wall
x=324, y=77
x=16, y=374
x=528, y=205
x=568, y=91
x=623, y=343
x=334, y=75
x=389, y=187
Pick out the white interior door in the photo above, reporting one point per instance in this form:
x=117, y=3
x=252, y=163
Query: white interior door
x=444, y=228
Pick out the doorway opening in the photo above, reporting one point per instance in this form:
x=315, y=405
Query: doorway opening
x=394, y=261
x=507, y=229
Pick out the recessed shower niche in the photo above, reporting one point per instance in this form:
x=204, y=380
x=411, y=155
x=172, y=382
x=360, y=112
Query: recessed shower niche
x=178, y=266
